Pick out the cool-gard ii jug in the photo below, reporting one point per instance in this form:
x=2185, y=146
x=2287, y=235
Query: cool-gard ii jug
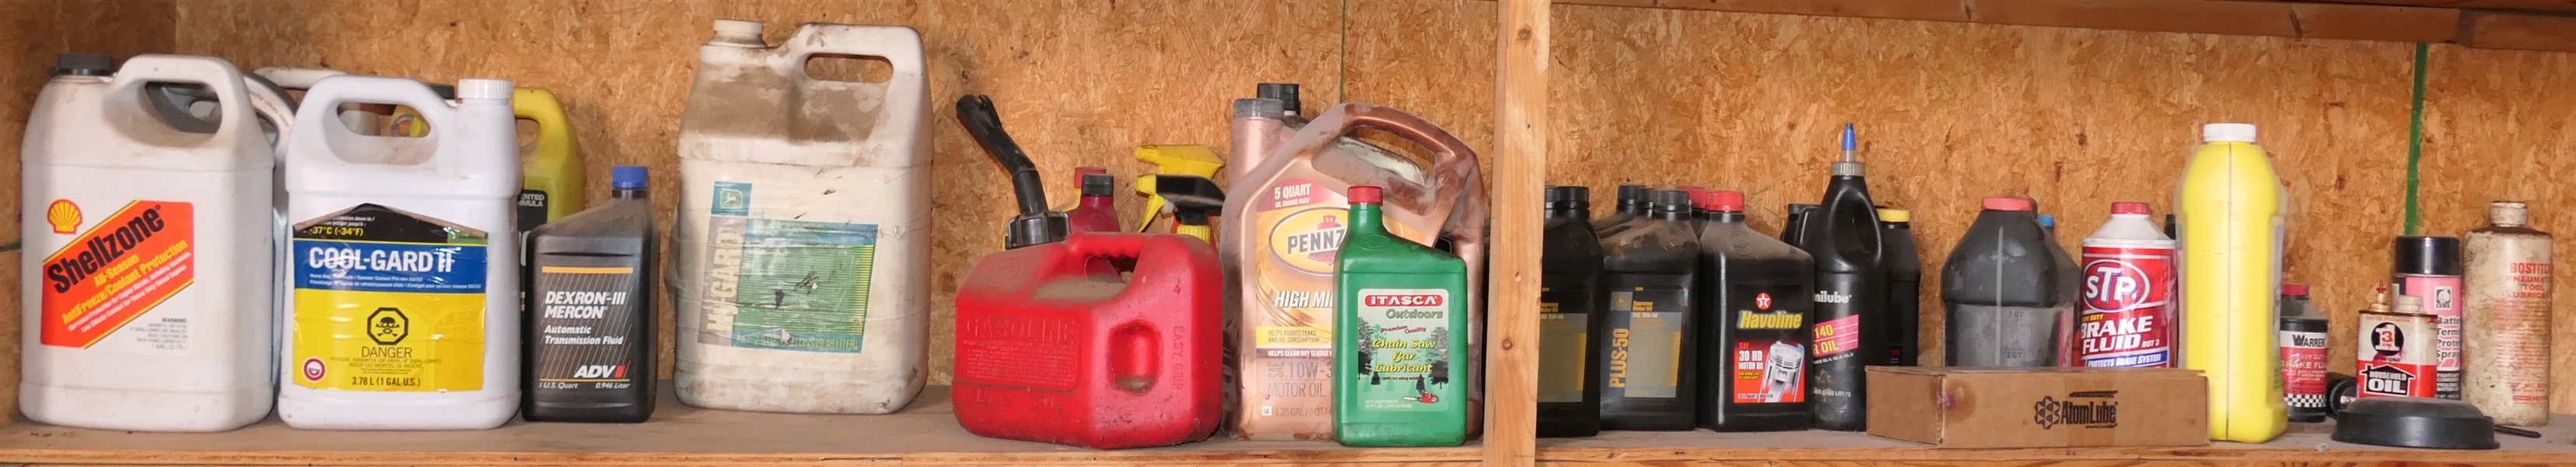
x=801, y=278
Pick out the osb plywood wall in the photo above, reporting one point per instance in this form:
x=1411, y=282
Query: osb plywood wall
x=31, y=34
x=1948, y=112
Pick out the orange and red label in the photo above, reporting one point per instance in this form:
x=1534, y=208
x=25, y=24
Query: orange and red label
x=127, y=264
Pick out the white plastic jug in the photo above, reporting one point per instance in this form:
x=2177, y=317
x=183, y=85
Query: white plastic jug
x=404, y=314
x=146, y=293
x=803, y=243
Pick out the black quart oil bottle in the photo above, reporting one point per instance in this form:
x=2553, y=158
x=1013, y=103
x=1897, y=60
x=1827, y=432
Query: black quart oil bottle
x=1570, y=318
x=1849, y=324
x=1632, y=205
x=1904, y=287
x=1648, y=270
x=590, y=314
x=1755, y=293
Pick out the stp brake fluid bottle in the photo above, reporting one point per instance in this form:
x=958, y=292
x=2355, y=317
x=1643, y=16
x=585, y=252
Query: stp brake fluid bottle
x=2128, y=289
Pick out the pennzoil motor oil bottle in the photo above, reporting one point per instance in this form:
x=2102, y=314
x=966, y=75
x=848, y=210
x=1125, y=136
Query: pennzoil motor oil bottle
x=1569, y=380
x=591, y=337
x=2428, y=273
x=1287, y=219
x=2232, y=206
x=2127, y=290
x=550, y=176
x=1850, y=322
x=1648, y=274
x=2508, y=286
x=1049, y=350
x=2303, y=356
x=801, y=272
x=2001, y=294
x=1755, y=292
x=1400, y=347
x=1632, y=205
x=151, y=303
x=405, y=312
x=1904, y=287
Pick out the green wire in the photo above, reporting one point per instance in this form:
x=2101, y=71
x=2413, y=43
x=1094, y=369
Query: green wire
x=2415, y=142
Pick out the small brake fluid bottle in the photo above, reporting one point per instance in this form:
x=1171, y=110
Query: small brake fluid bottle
x=1400, y=342
x=590, y=316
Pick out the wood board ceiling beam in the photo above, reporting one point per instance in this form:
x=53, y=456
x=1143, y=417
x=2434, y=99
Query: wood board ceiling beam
x=2548, y=25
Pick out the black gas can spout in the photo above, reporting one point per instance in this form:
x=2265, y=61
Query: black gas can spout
x=1035, y=224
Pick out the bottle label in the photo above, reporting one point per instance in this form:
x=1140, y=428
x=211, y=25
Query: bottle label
x=1645, y=353
x=784, y=284
x=104, y=280
x=1770, y=354
x=1404, y=350
x=585, y=320
x=2303, y=369
x=387, y=300
x=531, y=209
x=1836, y=336
x=2440, y=296
x=2128, y=293
x=2396, y=358
x=1564, y=333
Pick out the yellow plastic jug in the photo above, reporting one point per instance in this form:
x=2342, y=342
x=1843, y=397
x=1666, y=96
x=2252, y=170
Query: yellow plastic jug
x=550, y=177
x=2232, y=209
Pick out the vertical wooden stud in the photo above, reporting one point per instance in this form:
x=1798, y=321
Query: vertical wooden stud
x=1520, y=141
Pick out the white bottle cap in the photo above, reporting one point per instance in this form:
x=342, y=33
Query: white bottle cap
x=478, y=88
x=2237, y=132
x=737, y=28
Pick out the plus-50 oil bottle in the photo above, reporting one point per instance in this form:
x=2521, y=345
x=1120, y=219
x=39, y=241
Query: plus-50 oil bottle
x=1756, y=292
x=1569, y=384
x=1400, y=342
x=1648, y=270
x=590, y=316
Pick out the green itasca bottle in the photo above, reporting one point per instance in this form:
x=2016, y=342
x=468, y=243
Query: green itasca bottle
x=1400, y=341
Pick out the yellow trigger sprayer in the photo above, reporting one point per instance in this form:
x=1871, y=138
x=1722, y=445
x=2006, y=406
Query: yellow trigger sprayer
x=1190, y=160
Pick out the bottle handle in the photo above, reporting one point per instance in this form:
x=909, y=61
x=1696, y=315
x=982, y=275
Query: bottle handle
x=216, y=74
x=539, y=105
x=906, y=89
x=324, y=99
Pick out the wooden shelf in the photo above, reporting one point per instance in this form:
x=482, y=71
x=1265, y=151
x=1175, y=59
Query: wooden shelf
x=925, y=434
x=2305, y=443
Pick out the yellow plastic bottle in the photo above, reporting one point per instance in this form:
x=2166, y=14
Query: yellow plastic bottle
x=2232, y=211
x=550, y=168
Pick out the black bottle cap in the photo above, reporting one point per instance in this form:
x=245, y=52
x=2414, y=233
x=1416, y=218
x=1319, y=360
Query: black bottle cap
x=1634, y=194
x=1672, y=200
x=1286, y=93
x=1569, y=197
x=2428, y=255
x=1033, y=229
x=2415, y=422
x=1099, y=185
x=83, y=65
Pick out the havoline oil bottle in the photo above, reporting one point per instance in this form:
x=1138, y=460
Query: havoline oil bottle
x=1400, y=342
x=590, y=337
x=1756, y=292
x=1849, y=324
x=1569, y=384
x=1647, y=273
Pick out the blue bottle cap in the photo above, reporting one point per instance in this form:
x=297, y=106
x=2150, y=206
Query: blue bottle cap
x=627, y=177
x=2047, y=221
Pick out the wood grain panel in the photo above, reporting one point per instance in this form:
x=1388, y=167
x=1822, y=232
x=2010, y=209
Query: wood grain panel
x=1520, y=138
x=31, y=34
x=2521, y=32
x=1078, y=83
x=1951, y=112
x=2497, y=127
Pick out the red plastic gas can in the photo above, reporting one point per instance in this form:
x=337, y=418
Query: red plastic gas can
x=1048, y=352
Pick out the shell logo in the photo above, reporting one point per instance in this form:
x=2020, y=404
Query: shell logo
x=64, y=216
x=1309, y=240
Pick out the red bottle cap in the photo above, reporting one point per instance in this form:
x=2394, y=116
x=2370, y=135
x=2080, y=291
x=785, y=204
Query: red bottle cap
x=2294, y=290
x=1703, y=199
x=2007, y=204
x=1364, y=195
x=2128, y=207
x=1728, y=201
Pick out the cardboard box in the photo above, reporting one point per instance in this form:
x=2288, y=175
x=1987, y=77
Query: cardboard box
x=2039, y=407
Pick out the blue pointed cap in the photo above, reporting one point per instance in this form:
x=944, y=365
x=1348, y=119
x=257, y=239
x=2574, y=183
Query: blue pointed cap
x=2047, y=221
x=627, y=177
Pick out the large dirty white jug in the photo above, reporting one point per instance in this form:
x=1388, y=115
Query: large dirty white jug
x=404, y=312
x=803, y=243
x=146, y=282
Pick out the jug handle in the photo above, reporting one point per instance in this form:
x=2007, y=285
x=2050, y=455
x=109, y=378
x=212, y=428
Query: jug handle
x=1134, y=354
x=540, y=106
x=227, y=85
x=906, y=89
x=327, y=95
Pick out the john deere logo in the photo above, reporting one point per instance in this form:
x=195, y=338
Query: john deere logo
x=64, y=216
x=1309, y=240
x=388, y=326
